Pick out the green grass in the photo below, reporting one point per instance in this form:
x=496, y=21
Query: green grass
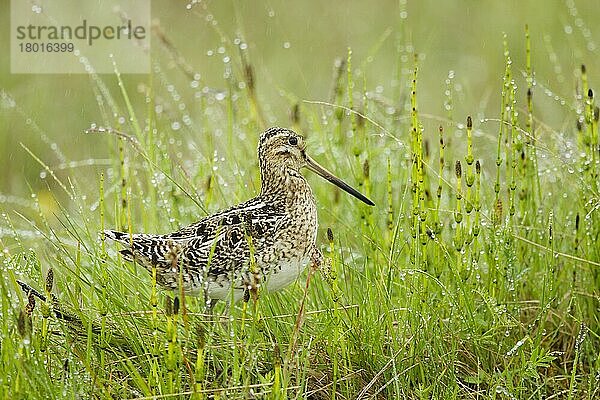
x=476, y=275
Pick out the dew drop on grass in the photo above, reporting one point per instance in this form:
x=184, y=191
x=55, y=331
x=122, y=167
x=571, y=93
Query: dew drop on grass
x=502, y=390
x=515, y=347
x=175, y=125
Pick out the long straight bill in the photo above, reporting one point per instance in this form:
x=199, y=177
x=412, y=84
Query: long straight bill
x=315, y=167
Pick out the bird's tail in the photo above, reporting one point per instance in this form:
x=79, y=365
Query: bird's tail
x=123, y=238
x=117, y=236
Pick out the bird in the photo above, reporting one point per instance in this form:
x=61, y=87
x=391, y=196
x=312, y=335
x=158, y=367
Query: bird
x=262, y=243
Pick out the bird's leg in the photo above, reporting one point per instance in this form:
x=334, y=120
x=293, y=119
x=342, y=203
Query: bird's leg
x=316, y=259
x=209, y=305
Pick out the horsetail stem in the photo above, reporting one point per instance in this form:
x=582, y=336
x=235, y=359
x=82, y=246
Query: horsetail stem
x=390, y=200
x=419, y=213
x=505, y=104
x=589, y=119
x=470, y=177
x=331, y=272
x=350, y=92
x=458, y=216
x=437, y=222
x=477, y=205
x=511, y=151
x=582, y=118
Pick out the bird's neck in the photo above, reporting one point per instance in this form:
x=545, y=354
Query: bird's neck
x=282, y=181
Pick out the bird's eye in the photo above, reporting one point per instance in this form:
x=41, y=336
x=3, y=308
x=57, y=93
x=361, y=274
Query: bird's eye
x=293, y=140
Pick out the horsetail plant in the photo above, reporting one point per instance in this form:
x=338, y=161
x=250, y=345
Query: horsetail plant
x=437, y=223
x=477, y=205
x=458, y=215
x=470, y=176
x=511, y=152
x=504, y=108
x=390, y=201
x=419, y=213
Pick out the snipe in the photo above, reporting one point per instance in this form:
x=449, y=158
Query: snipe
x=266, y=241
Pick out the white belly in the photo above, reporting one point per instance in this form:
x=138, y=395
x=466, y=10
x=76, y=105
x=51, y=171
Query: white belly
x=277, y=280
x=288, y=273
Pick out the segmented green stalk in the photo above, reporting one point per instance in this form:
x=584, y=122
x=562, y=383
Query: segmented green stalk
x=350, y=91
x=582, y=119
x=477, y=205
x=437, y=223
x=511, y=151
x=390, y=201
x=458, y=215
x=470, y=177
x=503, y=118
x=531, y=139
x=419, y=212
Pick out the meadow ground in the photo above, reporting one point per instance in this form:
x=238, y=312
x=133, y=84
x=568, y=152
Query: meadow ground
x=477, y=274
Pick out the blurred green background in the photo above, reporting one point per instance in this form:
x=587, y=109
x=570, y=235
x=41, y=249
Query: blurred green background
x=292, y=47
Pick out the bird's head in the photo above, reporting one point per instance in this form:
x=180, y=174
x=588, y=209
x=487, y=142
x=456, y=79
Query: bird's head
x=281, y=149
